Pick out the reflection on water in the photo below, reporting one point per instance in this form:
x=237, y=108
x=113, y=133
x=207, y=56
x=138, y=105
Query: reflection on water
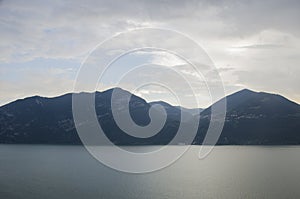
x=228, y=172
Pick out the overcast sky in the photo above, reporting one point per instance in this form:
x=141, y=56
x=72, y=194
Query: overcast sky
x=254, y=44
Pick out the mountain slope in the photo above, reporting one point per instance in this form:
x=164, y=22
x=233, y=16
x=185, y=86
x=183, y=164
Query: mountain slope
x=252, y=118
x=258, y=118
x=50, y=120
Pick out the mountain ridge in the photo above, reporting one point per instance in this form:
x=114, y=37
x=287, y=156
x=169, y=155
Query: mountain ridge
x=252, y=118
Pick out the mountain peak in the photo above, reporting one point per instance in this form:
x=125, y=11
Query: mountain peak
x=245, y=90
x=251, y=118
x=116, y=89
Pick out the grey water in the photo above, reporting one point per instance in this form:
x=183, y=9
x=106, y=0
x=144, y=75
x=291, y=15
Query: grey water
x=70, y=172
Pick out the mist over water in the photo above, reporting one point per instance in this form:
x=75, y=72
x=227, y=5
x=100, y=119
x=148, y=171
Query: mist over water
x=39, y=171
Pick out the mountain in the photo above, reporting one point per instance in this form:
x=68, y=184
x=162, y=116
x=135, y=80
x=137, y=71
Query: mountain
x=175, y=111
x=252, y=118
x=257, y=118
x=50, y=120
x=193, y=111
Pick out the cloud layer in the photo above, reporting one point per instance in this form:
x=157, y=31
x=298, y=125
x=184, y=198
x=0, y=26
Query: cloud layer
x=254, y=44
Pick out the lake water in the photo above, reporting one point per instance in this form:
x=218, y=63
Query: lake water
x=44, y=172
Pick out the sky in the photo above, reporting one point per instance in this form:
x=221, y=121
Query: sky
x=253, y=44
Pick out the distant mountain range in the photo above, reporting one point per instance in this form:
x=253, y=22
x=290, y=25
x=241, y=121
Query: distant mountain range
x=253, y=118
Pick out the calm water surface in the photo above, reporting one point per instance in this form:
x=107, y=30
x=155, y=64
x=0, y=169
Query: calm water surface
x=69, y=172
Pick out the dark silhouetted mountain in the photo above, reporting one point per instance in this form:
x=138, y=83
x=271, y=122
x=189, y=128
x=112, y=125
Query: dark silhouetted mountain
x=50, y=120
x=257, y=118
x=252, y=118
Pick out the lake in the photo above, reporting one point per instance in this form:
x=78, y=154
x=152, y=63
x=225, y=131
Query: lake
x=70, y=172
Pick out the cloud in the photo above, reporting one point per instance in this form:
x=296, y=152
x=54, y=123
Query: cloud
x=252, y=43
x=42, y=77
x=259, y=46
x=57, y=29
